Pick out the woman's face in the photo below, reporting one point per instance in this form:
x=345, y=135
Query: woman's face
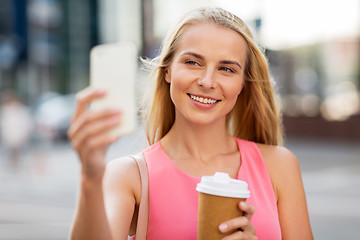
x=207, y=73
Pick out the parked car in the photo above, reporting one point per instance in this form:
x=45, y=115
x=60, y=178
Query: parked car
x=53, y=114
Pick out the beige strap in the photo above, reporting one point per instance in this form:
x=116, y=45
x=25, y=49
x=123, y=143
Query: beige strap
x=141, y=227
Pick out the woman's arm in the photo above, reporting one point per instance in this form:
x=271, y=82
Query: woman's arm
x=105, y=209
x=122, y=192
x=90, y=220
x=106, y=197
x=286, y=178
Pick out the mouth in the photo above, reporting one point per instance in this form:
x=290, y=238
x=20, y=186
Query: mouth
x=203, y=100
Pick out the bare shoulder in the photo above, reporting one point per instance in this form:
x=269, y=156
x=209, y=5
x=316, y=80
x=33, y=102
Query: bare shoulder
x=122, y=176
x=284, y=171
x=122, y=190
x=120, y=167
x=277, y=155
x=282, y=165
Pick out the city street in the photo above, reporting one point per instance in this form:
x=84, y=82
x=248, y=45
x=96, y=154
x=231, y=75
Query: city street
x=38, y=194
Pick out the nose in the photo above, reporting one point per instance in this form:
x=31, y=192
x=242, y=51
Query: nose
x=207, y=80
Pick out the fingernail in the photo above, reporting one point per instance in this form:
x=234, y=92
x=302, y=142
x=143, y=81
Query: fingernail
x=116, y=119
x=114, y=139
x=115, y=111
x=101, y=91
x=243, y=204
x=223, y=227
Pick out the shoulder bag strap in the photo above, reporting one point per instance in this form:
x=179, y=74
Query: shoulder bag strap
x=141, y=227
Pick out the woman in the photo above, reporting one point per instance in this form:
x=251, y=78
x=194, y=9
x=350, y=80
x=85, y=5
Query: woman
x=212, y=109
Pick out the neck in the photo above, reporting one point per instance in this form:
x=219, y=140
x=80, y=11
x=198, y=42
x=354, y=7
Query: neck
x=196, y=141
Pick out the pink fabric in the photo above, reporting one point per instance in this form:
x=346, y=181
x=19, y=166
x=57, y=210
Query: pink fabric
x=173, y=198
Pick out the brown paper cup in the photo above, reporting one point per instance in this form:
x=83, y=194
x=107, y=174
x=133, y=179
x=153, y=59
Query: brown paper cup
x=214, y=209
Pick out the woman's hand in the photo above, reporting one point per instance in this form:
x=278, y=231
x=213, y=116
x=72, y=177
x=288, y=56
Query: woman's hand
x=89, y=135
x=245, y=230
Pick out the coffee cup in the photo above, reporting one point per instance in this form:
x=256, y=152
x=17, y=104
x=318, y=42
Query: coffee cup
x=219, y=197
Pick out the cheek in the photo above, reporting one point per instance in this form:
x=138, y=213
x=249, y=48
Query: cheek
x=232, y=94
x=176, y=88
x=241, y=88
x=181, y=80
x=233, y=90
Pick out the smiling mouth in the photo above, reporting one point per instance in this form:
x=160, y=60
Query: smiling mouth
x=203, y=99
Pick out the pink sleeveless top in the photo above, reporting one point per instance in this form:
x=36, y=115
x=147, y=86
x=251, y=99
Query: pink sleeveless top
x=173, y=198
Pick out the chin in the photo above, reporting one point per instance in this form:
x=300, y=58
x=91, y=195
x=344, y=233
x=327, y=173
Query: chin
x=202, y=120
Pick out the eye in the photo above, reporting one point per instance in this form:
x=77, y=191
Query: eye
x=191, y=62
x=226, y=69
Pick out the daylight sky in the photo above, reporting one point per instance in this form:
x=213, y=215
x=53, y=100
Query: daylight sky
x=285, y=23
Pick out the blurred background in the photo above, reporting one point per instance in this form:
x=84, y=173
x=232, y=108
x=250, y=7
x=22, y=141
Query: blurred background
x=314, y=55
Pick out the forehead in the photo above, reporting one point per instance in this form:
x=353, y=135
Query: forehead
x=213, y=40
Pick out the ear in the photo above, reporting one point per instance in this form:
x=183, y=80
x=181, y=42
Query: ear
x=168, y=75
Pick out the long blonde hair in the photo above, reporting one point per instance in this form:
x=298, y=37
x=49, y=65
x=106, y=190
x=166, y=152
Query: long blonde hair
x=255, y=116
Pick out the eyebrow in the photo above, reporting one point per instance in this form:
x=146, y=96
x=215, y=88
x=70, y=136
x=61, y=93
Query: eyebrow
x=202, y=58
x=231, y=62
x=193, y=54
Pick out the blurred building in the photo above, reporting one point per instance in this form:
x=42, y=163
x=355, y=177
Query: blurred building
x=45, y=45
x=319, y=88
x=13, y=41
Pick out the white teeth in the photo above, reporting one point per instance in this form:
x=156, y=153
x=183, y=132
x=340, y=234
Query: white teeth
x=203, y=100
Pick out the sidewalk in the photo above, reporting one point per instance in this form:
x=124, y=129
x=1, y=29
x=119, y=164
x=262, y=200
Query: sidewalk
x=331, y=176
x=37, y=199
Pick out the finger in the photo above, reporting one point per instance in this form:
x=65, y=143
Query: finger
x=96, y=142
x=84, y=98
x=244, y=229
x=90, y=117
x=94, y=129
x=247, y=209
x=103, y=140
x=234, y=224
x=236, y=235
x=240, y=235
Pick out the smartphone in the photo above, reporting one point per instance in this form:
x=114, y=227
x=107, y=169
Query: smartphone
x=113, y=67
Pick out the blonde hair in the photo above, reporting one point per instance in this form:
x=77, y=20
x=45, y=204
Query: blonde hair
x=255, y=116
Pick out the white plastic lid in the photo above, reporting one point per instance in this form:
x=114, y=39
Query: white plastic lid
x=221, y=184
